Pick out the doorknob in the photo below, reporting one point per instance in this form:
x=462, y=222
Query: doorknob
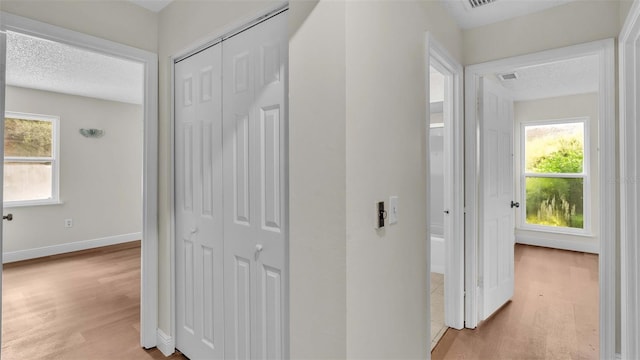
x=8, y=217
x=515, y=204
x=258, y=251
x=446, y=212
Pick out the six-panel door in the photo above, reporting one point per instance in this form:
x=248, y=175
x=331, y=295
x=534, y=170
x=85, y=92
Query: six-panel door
x=254, y=125
x=230, y=148
x=198, y=204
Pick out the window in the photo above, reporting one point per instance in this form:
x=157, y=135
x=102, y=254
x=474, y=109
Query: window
x=30, y=159
x=555, y=175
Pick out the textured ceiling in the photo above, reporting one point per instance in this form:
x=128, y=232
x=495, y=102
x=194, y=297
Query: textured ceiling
x=46, y=65
x=153, y=5
x=500, y=10
x=567, y=77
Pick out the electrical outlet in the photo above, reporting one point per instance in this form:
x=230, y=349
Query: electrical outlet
x=68, y=223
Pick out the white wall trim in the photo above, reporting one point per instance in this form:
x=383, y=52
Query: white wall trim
x=13, y=256
x=629, y=70
x=604, y=49
x=564, y=244
x=149, y=270
x=166, y=344
x=440, y=58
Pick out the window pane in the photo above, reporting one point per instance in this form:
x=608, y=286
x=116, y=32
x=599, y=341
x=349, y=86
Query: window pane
x=555, y=202
x=555, y=148
x=28, y=138
x=25, y=181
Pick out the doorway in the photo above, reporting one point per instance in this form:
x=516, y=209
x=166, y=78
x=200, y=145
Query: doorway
x=446, y=213
x=489, y=271
x=148, y=61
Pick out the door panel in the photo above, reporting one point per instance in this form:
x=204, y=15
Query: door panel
x=497, y=218
x=255, y=119
x=199, y=248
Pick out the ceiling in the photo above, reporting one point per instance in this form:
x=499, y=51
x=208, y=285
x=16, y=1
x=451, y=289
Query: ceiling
x=46, y=65
x=499, y=10
x=153, y=5
x=561, y=78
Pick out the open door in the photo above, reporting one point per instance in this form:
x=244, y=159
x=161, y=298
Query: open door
x=497, y=216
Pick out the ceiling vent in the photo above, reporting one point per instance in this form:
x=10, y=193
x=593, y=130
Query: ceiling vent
x=477, y=3
x=508, y=76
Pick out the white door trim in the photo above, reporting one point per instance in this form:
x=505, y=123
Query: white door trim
x=629, y=68
x=149, y=268
x=438, y=56
x=607, y=188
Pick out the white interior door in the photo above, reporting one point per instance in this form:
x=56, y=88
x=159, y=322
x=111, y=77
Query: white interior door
x=198, y=205
x=497, y=236
x=254, y=125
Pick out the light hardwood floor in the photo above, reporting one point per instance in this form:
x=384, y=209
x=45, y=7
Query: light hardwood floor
x=83, y=305
x=553, y=314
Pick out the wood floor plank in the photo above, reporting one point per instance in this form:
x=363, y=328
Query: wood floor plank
x=553, y=313
x=83, y=305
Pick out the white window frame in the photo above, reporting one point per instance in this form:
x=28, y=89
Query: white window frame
x=54, y=159
x=585, y=175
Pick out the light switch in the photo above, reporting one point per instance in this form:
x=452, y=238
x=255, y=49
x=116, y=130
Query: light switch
x=393, y=210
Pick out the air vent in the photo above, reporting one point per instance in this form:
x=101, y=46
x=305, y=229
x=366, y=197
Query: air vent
x=477, y=3
x=508, y=76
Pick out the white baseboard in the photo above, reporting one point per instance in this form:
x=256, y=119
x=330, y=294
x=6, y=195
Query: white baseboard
x=165, y=343
x=573, y=245
x=618, y=356
x=20, y=255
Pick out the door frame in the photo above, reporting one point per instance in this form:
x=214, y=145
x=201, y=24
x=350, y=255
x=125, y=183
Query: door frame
x=607, y=184
x=149, y=258
x=167, y=342
x=438, y=56
x=629, y=68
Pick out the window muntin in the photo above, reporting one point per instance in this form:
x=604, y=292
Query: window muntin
x=555, y=176
x=30, y=159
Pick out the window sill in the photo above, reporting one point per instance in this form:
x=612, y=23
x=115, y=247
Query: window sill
x=17, y=204
x=559, y=231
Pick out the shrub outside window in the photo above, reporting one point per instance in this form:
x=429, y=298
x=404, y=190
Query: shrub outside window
x=30, y=159
x=555, y=175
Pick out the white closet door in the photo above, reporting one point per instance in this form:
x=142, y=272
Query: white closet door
x=255, y=123
x=198, y=184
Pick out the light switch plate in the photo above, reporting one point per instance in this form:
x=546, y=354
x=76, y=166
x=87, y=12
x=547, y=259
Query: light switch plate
x=393, y=210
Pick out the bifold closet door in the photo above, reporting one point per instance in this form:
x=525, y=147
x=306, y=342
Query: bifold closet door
x=254, y=126
x=198, y=206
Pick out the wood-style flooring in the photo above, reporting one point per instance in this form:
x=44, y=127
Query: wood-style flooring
x=86, y=306
x=83, y=305
x=553, y=313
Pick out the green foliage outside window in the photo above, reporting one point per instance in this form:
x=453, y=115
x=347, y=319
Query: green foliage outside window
x=555, y=149
x=27, y=138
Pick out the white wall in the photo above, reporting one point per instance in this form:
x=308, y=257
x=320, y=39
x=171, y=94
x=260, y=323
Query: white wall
x=386, y=155
x=115, y=20
x=100, y=179
x=570, y=24
x=564, y=107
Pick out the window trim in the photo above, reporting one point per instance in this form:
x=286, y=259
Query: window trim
x=585, y=175
x=54, y=159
